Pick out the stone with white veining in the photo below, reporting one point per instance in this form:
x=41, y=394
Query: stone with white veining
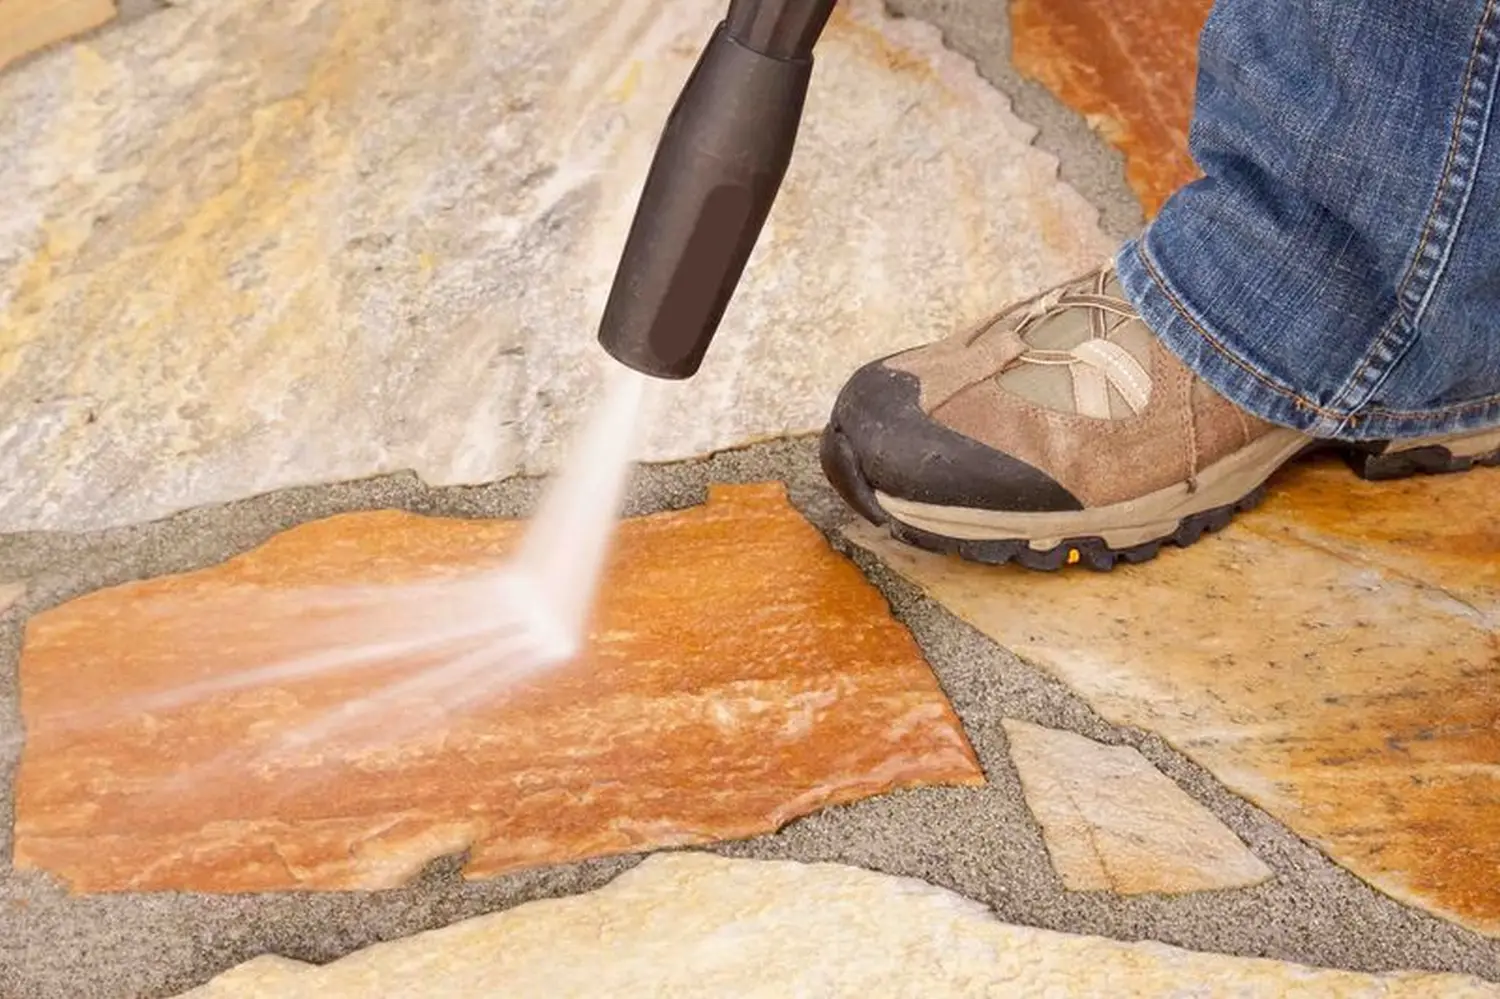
x=318, y=714
x=247, y=246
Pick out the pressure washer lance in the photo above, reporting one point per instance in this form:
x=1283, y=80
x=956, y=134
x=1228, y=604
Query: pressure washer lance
x=718, y=167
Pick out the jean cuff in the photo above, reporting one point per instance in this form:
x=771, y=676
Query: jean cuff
x=1210, y=353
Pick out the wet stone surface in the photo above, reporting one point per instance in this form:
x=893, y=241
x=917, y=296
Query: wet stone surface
x=980, y=842
x=282, y=319
x=366, y=693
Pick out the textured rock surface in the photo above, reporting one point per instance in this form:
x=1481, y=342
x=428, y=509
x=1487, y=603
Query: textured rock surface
x=1130, y=69
x=696, y=925
x=740, y=673
x=1441, y=536
x=1352, y=691
x=1113, y=822
x=312, y=241
x=981, y=842
x=27, y=26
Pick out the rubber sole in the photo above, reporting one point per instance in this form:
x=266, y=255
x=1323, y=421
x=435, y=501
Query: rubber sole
x=1373, y=463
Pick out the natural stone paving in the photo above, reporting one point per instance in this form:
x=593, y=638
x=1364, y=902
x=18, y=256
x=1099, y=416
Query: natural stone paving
x=1113, y=822
x=1130, y=69
x=694, y=925
x=981, y=842
x=248, y=246
x=1331, y=657
x=739, y=674
x=260, y=278
x=1439, y=536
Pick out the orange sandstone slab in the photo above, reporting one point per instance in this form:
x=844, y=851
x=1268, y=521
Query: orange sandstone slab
x=740, y=673
x=1129, y=68
x=1334, y=657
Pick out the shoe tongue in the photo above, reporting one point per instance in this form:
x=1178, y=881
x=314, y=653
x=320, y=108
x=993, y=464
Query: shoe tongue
x=1066, y=329
x=1053, y=386
x=1063, y=330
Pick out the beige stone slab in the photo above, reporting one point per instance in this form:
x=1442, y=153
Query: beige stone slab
x=27, y=26
x=1441, y=536
x=254, y=245
x=1113, y=822
x=1334, y=657
x=685, y=925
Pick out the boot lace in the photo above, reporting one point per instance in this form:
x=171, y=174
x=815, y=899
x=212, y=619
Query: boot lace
x=1105, y=311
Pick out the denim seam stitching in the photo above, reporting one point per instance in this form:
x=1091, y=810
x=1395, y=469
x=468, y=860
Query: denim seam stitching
x=1159, y=280
x=1484, y=402
x=1475, y=117
x=1467, y=114
x=1383, y=344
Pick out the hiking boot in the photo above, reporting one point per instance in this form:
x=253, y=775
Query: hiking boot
x=1061, y=431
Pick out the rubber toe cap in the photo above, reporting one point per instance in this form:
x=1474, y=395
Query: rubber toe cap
x=899, y=450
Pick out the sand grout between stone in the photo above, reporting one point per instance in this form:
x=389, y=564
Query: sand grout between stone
x=982, y=843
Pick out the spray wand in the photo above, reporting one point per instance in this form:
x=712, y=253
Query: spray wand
x=717, y=169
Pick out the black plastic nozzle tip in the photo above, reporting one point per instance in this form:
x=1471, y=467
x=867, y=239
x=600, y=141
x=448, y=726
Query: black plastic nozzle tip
x=714, y=178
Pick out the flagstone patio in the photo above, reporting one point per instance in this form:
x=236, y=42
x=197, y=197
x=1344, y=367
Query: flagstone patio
x=297, y=297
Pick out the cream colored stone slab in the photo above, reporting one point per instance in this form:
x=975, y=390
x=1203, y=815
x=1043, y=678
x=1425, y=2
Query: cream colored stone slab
x=1113, y=822
x=247, y=245
x=1351, y=698
x=686, y=924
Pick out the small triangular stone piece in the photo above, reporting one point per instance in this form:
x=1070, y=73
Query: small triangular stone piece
x=1113, y=822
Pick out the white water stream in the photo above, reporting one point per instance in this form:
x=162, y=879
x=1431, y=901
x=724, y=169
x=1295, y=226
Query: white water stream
x=468, y=637
x=531, y=614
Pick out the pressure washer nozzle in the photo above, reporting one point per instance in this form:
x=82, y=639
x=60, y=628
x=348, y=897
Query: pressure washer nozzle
x=717, y=169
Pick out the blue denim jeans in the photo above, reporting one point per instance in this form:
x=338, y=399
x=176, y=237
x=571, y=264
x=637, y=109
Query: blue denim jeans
x=1337, y=269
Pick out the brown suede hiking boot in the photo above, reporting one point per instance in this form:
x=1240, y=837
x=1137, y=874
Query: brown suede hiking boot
x=1062, y=431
